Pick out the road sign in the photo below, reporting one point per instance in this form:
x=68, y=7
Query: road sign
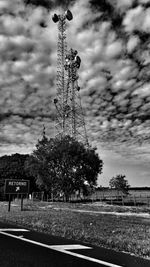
x=16, y=186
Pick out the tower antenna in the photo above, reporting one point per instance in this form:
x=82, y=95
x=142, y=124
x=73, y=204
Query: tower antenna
x=69, y=113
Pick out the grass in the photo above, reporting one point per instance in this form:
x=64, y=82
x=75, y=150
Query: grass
x=130, y=234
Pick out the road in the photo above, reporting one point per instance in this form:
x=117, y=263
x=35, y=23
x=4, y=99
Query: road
x=21, y=247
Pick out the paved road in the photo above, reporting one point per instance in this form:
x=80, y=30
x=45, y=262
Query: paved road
x=21, y=247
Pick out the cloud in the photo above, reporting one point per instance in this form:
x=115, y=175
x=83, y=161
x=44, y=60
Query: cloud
x=121, y=4
x=112, y=39
x=114, y=49
x=134, y=19
x=132, y=43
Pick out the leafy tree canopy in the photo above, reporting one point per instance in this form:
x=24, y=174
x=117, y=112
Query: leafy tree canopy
x=64, y=165
x=120, y=183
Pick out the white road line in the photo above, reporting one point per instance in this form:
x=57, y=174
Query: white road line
x=13, y=230
x=69, y=247
x=63, y=250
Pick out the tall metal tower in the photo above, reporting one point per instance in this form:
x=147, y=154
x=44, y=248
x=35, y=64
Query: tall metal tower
x=69, y=112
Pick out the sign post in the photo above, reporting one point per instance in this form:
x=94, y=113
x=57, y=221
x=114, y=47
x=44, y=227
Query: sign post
x=19, y=187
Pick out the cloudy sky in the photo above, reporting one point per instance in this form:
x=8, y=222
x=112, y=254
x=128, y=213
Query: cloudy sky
x=112, y=38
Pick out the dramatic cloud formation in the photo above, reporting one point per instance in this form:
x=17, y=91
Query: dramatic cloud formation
x=112, y=38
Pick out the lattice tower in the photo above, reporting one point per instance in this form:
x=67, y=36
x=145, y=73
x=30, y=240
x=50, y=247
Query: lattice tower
x=69, y=112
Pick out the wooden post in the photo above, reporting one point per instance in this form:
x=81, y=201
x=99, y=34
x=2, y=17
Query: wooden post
x=9, y=203
x=21, y=202
x=52, y=197
x=122, y=200
x=42, y=196
x=32, y=196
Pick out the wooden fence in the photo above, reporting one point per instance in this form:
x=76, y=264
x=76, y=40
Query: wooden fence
x=113, y=199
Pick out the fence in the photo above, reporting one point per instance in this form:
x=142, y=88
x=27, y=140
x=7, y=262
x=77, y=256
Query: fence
x=41, y=196
x=129, y=200
x=134, y=197
x=113, y=199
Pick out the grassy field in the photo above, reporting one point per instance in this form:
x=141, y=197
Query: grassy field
x=120, y=228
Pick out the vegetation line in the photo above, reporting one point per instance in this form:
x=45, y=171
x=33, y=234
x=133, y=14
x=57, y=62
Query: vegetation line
x=147, y=215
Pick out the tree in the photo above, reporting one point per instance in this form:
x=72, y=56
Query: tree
x=64, y=166
x=120, y=183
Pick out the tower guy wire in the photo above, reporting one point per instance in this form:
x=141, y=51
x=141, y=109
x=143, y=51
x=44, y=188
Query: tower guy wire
x=69, y=113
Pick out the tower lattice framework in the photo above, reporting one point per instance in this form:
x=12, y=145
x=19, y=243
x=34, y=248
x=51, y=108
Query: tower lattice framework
x=69, y=113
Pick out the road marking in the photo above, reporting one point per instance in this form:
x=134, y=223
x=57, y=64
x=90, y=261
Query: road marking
x=69, y=247
x=13, y=230
x=64, y=250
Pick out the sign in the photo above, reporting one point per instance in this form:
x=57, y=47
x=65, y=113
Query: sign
x=17, y=186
